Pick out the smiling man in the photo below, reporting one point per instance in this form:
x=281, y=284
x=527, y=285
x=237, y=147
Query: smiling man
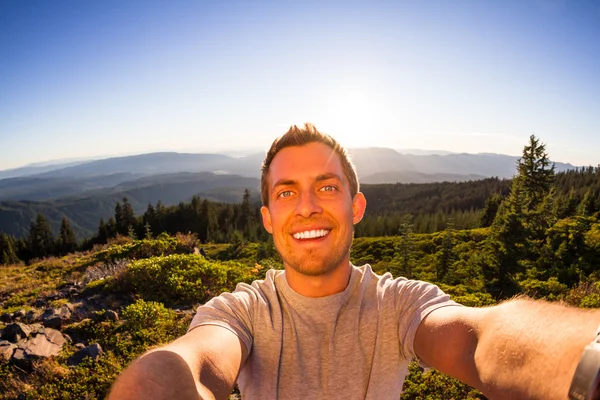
x=323, y=328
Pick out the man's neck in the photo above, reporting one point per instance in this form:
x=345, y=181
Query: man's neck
x=328, y=284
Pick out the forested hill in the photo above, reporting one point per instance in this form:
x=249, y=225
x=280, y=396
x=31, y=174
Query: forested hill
x=383, y=199
x=85, y=212
x=431, y=205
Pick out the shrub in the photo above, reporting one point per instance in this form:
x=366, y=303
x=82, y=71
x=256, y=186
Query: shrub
x=184, y=279
x=138, y=249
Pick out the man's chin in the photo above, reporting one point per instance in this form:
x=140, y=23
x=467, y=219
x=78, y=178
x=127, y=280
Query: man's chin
x=312, y=269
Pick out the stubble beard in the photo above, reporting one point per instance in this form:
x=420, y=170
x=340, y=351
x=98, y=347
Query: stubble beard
x=310, y=262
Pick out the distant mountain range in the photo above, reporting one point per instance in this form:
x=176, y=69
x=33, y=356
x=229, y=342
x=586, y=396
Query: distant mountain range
x=85, y=191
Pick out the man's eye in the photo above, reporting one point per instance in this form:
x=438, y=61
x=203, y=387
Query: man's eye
x=285, y=193
x=328, y=188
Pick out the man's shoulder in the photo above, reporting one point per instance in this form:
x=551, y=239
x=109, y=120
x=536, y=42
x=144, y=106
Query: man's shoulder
x=386, y=284
x=261, y=288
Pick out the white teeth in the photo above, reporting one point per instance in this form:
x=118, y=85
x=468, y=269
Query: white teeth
x=311, y=234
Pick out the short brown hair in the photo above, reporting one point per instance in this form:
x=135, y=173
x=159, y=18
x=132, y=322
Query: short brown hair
x=296, y=136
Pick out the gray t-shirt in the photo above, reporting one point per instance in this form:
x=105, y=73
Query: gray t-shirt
x=355, y=344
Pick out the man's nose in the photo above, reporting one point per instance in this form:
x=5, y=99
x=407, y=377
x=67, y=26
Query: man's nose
x=307, y=205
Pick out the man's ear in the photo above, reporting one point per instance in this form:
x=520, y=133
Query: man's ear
x=359, y=204
x=266, y=219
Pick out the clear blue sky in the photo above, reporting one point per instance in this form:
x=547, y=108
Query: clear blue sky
x=88, y=78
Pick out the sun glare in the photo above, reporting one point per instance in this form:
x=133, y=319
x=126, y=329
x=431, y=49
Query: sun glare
x=350, y=117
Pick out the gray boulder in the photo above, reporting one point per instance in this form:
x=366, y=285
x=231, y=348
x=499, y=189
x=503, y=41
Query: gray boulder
x=6, y=350
x=94, y=352
x=54, y=317
x=32, y=315
x=15, y=332
x=43, y=343
x=7, y=317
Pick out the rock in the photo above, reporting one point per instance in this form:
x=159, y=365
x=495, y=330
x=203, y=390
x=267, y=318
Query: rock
x=6, y=350
x=55, y=336
x=19, y=314
x=79, y=346
x=20, y=359
x=15, y=332
x=40, y=302
x=54, y=318
x=32, y=315
x=94, y=351
x=53, y=322
x=112, y=315
x=7, y=317
x=44, y=343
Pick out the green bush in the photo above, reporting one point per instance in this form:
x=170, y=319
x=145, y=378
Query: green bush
x=150, y=323
x=180, y=279
x=139, y=249
x=432, y=384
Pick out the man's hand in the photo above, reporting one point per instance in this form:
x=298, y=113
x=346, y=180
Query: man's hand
x=203, y=364
x=520, y=349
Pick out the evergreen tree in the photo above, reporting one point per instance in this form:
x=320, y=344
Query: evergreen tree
x=490, y=210
x=119, y=222
x=41, y=241
x=111, y=228
x=536, y=173
x=246, y=224
x=67, y=243
x=518, y=232
x=103, y=234
x=446, y=256
x=587, y=207
x=129, y=221
x=8, y=253
x=148, y=231
x=405, y=247
x=208, y=222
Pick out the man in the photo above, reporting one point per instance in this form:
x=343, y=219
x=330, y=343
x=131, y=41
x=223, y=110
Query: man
x=326, y=329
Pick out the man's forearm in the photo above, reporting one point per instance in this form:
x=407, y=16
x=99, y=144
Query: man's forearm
x=158, y=375
x=530, y=349
x=164, y=374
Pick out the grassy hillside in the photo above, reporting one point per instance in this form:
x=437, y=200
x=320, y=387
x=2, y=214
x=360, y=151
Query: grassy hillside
x=131, y=295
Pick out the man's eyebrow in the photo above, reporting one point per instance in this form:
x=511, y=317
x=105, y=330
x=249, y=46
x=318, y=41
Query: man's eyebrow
x=327, y=176
x=284, y=182
x=318, y=178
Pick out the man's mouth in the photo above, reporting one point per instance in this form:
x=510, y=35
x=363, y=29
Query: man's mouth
x=313, y=234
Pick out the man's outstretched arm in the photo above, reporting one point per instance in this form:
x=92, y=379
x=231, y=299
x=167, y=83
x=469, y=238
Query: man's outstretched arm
x=202, y=364
x=520, y=349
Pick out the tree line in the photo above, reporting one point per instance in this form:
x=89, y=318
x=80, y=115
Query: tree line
x=391, y=209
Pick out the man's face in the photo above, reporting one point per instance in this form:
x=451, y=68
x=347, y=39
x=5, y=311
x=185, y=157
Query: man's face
x=311, y=213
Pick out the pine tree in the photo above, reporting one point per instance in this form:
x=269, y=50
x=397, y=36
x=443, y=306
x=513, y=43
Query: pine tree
x=587, y=207
x=246, y=224
x=119, y=222
x=8, y=252
x=128, y=217
x=41, y=241
x=405, y=247
x=111, y=228
x=520, y=226
x=490, y=210
x=446, y=256
x=103, y=234
x=67, y=242
x=536, y=173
